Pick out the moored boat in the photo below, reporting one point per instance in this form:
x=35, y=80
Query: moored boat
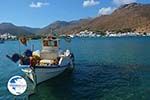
x=41, y=65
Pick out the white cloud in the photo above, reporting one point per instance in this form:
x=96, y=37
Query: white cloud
x=89, y=3
x=122, y=2
x=38, y=4
x=106, y=11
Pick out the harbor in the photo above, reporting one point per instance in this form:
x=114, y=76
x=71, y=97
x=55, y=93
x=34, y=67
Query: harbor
x=82, y=34
x=118, y=68
x=75, y=50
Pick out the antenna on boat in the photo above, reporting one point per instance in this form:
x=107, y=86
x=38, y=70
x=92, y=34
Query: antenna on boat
x=19, y=47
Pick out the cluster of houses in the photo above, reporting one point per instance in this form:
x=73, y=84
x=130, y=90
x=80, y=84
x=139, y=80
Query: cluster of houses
x=109, y=34
x=87, y=33
x=8, y=36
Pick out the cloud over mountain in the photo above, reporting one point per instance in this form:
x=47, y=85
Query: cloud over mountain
x=106, y=11
x=89, y=3
x=122, y=2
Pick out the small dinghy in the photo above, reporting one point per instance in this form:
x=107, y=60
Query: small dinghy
x=42, y=65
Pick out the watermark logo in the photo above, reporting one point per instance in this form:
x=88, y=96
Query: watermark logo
x=17, y=85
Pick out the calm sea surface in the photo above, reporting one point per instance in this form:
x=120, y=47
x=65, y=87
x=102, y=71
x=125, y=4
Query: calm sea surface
x=105, y=69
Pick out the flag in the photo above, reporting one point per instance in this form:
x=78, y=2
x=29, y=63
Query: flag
x=23, y=40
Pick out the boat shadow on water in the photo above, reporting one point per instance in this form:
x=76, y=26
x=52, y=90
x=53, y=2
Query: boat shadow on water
x=53, y=87
x=94, y=83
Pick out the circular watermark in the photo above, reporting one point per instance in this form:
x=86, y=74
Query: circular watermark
x=17, y=85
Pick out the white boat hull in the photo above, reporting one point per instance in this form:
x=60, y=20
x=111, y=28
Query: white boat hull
x=39, y=74
x=43, y=74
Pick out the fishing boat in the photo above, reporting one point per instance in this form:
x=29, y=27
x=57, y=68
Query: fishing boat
x=44, y=64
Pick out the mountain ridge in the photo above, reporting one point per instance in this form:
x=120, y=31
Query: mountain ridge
x=130, y=17
x=133, y=17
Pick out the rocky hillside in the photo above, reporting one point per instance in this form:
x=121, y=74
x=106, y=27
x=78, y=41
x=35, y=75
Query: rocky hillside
x=129, y=17
x=17, y=30
x=135, y=17
x=64, y=27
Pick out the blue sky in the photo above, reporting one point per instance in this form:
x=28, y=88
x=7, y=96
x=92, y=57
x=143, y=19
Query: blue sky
x=39, y=13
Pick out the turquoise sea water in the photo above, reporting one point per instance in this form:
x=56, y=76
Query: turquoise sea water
x=105, y=69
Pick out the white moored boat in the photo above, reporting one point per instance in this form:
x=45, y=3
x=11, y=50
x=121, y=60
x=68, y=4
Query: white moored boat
x=47, y=63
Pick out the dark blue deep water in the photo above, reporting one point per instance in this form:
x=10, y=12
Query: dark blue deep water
x=105, y=69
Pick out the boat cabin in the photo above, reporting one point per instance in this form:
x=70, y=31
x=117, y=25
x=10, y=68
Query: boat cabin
x=50, y=43
x=49, y=48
